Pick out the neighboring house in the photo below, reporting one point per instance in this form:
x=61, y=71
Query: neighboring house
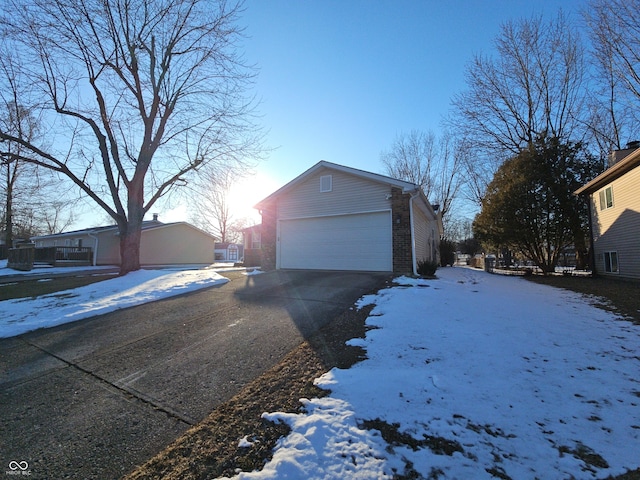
x=614, y=207
x=252, y=246
x=333, y=217
x=228, y=252
x=160, y=243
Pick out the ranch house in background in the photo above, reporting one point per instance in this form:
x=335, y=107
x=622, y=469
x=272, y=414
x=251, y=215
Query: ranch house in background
x=614, y=207
x=176, y=243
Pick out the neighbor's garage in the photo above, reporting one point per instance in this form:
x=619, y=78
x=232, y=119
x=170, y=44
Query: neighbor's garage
x=342, y=242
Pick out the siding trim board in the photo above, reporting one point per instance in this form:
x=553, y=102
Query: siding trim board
x=304, y=217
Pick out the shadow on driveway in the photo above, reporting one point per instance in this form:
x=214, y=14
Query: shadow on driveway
x=311, y=298
x=95, y=398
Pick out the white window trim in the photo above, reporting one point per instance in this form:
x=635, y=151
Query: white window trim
x=608, y=254
x=602, y=198
x=326, y=183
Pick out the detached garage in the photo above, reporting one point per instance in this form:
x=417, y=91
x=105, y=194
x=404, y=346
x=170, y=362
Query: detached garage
x=334, y=217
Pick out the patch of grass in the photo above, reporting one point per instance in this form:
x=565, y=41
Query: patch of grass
x=488, y=430
x=498, y=472
x=34, y=288
x=620, y=296
x=392, y=435
x=587, y=455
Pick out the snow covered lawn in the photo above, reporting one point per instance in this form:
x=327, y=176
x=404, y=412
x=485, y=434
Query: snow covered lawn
x=473, y=376
x=25, y=314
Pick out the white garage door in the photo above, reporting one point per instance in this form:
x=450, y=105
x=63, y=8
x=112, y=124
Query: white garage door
x=345, y=242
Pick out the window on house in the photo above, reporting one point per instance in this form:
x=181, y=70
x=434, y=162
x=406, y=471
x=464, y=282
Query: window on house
x=255, y=240
x=611, y=262
x=326, y=183
x=606, y=198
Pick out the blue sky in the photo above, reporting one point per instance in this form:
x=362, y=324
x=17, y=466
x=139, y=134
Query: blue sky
x=339, y=80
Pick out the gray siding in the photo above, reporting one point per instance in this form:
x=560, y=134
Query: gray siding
x=349, y=194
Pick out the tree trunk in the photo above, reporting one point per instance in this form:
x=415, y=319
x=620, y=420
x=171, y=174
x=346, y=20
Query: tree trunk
x=131, y=229
x=8, y=240
x=129, y=248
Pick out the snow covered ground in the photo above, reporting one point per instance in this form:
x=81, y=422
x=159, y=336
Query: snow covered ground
x=480, y=376
x=23, y=315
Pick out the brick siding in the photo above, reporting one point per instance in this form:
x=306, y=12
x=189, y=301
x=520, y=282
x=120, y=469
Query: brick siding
x=268, y=238
x=401, y=231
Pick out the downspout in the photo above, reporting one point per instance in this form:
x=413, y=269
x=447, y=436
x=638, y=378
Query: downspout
x=95, y=249
x=414, y=262
x=592, y=253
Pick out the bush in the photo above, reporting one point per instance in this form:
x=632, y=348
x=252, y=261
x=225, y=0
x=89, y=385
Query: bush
x=427, y=267
x=447, y=252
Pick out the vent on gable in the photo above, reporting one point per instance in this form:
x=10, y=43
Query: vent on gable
x=326, y=183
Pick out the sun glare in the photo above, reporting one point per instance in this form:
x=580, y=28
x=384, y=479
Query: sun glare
x=249, y=191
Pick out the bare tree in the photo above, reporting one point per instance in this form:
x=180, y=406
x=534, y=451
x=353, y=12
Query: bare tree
x=412, y=158
x=20, y=180
x=57, y=217
x=137, y=96
x=211, y=205
x=614, y=28
x=435, y=165
x=534, y=86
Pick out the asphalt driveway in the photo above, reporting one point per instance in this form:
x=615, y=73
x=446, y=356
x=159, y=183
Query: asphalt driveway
x=95, y=398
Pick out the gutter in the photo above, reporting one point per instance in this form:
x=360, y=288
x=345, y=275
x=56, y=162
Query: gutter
x=626, y=164
x=592, y=252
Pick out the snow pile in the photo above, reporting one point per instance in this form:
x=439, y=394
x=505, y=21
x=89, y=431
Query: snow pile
x=25, y=314
x=476, y=376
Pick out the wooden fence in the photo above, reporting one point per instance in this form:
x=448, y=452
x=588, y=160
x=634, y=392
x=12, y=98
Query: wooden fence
x=24, y=257
x=21, y=258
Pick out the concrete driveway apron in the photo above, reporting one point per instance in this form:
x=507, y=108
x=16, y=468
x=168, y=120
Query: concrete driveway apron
x=95, y=398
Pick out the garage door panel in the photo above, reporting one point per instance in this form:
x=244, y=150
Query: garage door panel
x=346, y=242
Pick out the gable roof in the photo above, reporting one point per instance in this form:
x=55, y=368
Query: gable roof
x=625, y=165
x=405, y=186
x=148, y=225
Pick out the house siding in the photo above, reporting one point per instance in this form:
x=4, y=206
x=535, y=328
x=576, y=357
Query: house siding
x=424, y=236
x=167, y=244
x=618, y=228
x=176, y=244
x=109, y=248
x=349, y=194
